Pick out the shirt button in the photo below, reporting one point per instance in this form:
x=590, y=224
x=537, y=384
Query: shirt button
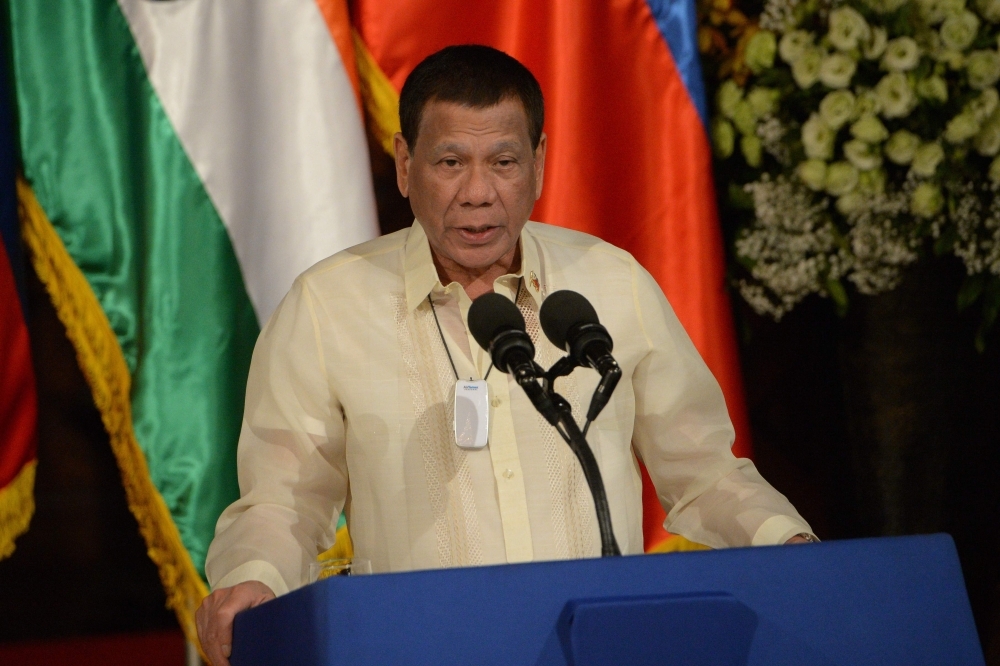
x=496, y=402
x=508, y=473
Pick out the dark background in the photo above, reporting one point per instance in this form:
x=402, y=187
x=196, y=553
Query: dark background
x=883, y=422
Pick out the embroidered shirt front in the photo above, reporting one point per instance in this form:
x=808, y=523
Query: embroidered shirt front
x=349, y=408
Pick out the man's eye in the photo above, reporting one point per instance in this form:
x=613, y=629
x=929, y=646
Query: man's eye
x=505, y=163
x=451, y=163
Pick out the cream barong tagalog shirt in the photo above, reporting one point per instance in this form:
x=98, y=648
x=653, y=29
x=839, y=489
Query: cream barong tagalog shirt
x=349, y=408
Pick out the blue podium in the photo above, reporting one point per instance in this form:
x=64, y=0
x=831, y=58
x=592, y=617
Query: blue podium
x=895, y=600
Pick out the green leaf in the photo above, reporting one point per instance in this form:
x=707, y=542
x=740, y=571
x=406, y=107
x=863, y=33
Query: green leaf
x=991, y=308
x=839, y=296
x=970, y=291
x=946, y=241
x=923, y=70
x=740, y=198
x=840, y=238
x=991, y=301
x=746, y=262
x=984, y=40
x=776, y=77
x=901, y=24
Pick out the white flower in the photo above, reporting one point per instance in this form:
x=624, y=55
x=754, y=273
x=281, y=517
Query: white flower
x=983, y=106
x=805, y=70
x=979, y=251
x=994, y=172
x=850, y=202
x=817, y=138
x=901, y=147
x=935, y=11
x=959, y=30
x=871, y=181
x=901, y=55
x=960, y=128
x=813, y=174
x=928, y=40
x=895, y=95
x=987, y=142
x=989, y=10
x=751, y=148
x=723, y=137
x=878, y=247
x=837, y=108
x=954, y=59
x=926, y=159
x=727, y=97
x=841, y=178
x=836, y=70
x=791, y=244
x=862, y=155
x=983, y=69
x=744, y=118
x=874, y=46
x=848, y=28
x=869, y=129
x=772, y=133
x=778, y=16
x=794, y=44
x=926, y=200
x=760, y=51
x=763, y=101
x=934, y=88
x=867, y=104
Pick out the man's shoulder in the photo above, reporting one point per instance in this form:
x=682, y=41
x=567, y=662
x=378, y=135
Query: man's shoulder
x=562, y=240
x=364, y=256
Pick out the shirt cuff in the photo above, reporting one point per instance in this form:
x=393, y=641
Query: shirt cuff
x=258, y=570
x=777, y=530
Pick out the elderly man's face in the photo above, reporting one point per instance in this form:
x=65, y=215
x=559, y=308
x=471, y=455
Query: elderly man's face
x=472, y=180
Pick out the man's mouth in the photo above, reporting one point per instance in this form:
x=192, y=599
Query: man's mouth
x=477, y=235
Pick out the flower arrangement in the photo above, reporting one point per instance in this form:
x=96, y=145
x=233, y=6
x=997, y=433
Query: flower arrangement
x=861, y=135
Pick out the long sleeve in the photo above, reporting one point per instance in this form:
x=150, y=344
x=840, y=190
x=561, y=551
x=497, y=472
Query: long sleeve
x=291, y=459
x=684, y=436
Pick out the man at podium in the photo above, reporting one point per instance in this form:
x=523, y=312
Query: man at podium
x=350, y=396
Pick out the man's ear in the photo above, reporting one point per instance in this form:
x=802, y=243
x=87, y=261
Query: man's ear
x=540, y=165
x=402, y=156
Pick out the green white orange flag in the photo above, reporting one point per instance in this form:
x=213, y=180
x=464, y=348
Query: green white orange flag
x=183, y=162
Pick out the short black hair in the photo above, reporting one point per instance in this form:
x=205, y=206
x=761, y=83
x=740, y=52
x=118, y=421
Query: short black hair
x=474, y=76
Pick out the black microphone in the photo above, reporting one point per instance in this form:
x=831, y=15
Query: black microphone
x=498, y=327
x=571, y=324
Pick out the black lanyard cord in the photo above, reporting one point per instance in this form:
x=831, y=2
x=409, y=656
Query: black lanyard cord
x=447, y=350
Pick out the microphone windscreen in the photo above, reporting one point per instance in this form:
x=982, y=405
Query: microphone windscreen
x=490, y=314
x=561, y=311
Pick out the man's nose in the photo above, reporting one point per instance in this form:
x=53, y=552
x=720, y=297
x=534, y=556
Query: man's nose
x=477, y=187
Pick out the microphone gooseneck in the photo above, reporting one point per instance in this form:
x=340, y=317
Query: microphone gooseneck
x=498, y=326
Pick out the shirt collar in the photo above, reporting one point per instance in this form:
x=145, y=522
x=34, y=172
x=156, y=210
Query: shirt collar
x=421, y=277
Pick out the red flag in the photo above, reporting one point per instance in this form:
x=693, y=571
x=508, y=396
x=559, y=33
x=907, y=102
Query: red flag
x=628, y=155
x=18, y=403
x=18, y=413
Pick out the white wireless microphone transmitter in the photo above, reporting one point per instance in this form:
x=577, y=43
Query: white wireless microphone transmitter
x=472, y=413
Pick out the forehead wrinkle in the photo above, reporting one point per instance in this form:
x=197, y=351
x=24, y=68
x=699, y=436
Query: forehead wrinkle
x=449, y=147
x=508, y=144
x=498, y=147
